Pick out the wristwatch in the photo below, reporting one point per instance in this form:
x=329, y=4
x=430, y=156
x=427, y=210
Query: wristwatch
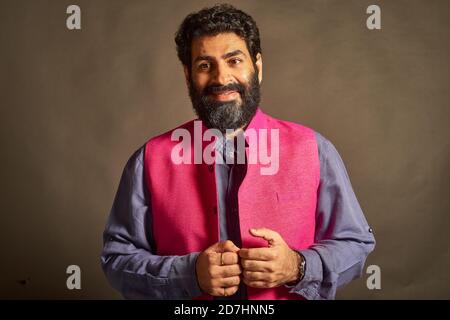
x=301, y=270
x=301, y=267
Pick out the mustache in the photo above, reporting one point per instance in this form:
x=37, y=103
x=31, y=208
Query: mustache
x=229, y=87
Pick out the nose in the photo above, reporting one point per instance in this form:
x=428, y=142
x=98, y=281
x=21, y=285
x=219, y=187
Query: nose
x=222, y=75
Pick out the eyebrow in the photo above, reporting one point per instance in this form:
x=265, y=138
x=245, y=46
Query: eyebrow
x=225, y=56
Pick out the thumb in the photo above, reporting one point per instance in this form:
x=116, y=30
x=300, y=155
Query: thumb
x=223, y=246
x=272, y=237
x=227, y=246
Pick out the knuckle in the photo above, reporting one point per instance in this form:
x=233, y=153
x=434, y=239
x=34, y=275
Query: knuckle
x=226, y=282
x=211, y=257
x=215, y=292
x=232, y=290
x=230, y=257
x=232, y=282
x=238, y=270
x=275, y=254
x=232, y=271
x=214, y=284
x=211, y=272
x=225, y=272
x=228, y=243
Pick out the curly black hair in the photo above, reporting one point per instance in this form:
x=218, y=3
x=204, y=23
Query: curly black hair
x=212, y=21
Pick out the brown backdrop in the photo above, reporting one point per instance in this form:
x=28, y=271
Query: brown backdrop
x=76, y=104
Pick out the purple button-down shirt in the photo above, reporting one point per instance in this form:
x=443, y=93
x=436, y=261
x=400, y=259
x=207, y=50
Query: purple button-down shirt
x=343, y=239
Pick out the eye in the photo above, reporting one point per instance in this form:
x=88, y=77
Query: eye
x=203, y=66
x=234, y=61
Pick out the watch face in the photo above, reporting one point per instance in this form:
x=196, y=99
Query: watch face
x=302, y=267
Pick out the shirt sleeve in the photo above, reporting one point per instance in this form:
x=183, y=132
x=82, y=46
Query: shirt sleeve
x=343, y=239
x=127, y=258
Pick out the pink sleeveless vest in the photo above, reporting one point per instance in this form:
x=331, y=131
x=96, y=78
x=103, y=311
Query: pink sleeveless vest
x=184, y=196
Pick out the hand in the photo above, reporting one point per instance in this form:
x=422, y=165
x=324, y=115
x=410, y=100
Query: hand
x=269, y=267
x=218, y=269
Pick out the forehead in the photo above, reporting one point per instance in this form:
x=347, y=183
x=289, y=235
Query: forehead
x=218, y=45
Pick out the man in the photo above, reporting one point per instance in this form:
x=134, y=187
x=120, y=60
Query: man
x=230, y=230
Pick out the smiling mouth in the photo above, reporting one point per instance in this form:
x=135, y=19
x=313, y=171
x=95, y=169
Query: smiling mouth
x=225, y=95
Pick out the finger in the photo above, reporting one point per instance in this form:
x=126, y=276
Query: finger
x=229, y=258
x=259, y=284
x=231, y=290
x=263, y=254
x=258, y=276
x=227, y=246
x=272, y=237
x=229, y=271
x=220, y=292
x=214, y=248
x=214, y=258
x=223, y=246
x=221, y=259
x=226, y=282
x=255, y=265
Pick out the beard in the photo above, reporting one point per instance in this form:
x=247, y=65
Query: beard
x=223, y=115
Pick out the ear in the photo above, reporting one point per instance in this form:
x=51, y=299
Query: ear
x=259, y=66
x=186, y=75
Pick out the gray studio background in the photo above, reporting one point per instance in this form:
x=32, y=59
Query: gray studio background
x=76, y=104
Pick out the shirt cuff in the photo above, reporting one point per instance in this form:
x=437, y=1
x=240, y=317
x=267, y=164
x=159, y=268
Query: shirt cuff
x=308, y=287
x=183, y=276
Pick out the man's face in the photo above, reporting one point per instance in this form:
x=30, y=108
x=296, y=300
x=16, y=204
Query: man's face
x=223, y=81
